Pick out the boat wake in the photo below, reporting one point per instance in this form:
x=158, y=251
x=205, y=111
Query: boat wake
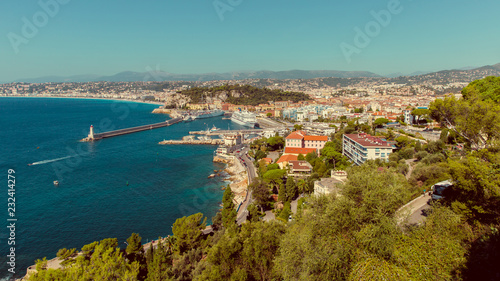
x=49, y=161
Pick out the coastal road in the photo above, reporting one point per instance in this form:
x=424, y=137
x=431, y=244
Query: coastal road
x=242, y=213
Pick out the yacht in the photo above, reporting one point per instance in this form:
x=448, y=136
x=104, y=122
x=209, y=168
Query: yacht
x=245, y=118
x=209, y=114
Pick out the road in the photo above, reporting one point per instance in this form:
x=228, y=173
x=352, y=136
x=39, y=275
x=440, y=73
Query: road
x=415, y=211
x=410, y=167
x=242, y=213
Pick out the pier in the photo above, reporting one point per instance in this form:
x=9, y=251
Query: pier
x=191, y=141
x=226, y=132
x=93, y=136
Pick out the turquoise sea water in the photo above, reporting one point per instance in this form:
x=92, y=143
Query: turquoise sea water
x=93, y=200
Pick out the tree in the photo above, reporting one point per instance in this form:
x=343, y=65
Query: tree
x=419, y=113
x=160, y=268
x=379, y=122
x=253, y=213
x=65, y=254
x=301, y=157
x=311, y=156
x=228, y=209
x=260, y=193
x=301, y=186
x=282, y=192
x=476, y=187
x=134, y=247
x=276, y=142
x=291, y=189
x=274, y=176
x=297, y=127
x=259, y=154
x=187, y=231
x=403, y=141
x=485, y=89
x=475, y=120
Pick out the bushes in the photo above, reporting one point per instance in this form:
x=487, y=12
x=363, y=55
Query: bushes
x=407, y=153
x=428, y=175
x=421, y=155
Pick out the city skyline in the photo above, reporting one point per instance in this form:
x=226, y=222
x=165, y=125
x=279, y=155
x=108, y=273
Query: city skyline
x=65, y=38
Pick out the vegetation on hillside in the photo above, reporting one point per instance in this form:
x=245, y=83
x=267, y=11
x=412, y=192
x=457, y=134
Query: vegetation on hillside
x=243, y=94
x=354, y=236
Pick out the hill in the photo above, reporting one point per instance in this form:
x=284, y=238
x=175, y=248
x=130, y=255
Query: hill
x=242, y=94
x=130, y=76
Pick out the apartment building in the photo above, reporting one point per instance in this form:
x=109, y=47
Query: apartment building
x=362, y=147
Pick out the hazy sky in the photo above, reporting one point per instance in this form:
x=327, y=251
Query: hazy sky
x=191, y=36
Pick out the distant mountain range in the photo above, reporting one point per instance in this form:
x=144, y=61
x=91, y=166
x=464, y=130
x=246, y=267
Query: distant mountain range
x=129, y=76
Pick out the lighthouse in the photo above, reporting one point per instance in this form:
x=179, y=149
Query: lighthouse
x=91, y=133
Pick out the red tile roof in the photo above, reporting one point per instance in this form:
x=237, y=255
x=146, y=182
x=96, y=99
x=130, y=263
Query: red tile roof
x=286, y=158
x=368, y=140
x=297, y=150
x=297, y=135
x=268, y=160
x=300, y=166
x=316, y=138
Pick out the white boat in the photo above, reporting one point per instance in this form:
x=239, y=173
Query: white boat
x=214, y=129
x=56, y=183
x=208, y=114
x=245, y=118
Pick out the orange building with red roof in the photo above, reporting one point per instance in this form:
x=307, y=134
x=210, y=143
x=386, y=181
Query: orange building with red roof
x=299, y=142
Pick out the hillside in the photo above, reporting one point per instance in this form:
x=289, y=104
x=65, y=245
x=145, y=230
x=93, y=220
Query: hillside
x=242, y=94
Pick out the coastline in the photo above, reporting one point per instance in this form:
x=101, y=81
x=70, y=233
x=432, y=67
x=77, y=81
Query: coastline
x=238, y=177
x=87, y=98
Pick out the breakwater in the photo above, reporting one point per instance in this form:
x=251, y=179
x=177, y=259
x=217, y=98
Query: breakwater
x=92, y=136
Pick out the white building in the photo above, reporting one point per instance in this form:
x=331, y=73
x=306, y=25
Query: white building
x=362, y=147
x=408, y=116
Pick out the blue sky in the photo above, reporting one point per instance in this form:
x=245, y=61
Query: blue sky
x=107, y=37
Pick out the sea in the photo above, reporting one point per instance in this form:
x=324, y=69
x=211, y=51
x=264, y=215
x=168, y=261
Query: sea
x=109, y=188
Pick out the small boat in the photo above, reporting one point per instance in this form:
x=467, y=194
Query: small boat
x=214, y=129
x=30, y=164
x=56, y=183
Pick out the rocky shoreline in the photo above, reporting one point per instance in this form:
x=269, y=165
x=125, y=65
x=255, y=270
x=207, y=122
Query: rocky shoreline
x=238, y=177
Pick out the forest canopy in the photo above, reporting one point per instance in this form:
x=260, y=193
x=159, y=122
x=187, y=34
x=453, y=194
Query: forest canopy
x=244, y=94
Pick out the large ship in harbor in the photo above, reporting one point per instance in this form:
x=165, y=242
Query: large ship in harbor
x=245, y=118
x=208, y=114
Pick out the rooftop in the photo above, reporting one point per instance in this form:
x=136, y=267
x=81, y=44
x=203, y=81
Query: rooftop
x=298, y=150
x=367, y=140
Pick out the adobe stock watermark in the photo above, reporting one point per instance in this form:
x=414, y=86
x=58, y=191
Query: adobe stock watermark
x=30, y=27
x=223, y=6
x=372, y=29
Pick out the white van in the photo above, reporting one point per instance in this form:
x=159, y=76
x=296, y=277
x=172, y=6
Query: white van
x=439, y=188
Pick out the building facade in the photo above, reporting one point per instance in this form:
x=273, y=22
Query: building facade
x=361, y=147
x=301, y=140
